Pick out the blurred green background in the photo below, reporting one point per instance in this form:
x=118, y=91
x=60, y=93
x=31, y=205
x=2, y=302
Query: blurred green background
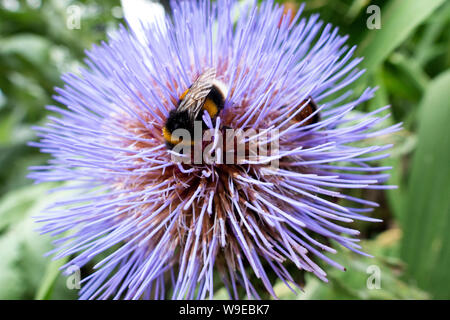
x=408, y=59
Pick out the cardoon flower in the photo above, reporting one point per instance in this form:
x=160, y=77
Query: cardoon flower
x=158, y=228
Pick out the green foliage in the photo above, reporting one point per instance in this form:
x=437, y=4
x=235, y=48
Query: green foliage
x=36, y=47
x=50, y=279
x=407, y=59
x=22, y=264
x=426, y=245
x=356, y=282
x=400, y=18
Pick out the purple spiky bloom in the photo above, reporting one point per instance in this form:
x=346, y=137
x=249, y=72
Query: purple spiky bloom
x=163, y=229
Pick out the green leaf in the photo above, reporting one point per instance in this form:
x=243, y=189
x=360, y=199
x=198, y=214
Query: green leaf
x=381, y=98
x=426, y=244
x=411, y=70
x=12, y=284
x=398, y=20
x=15, y=206
x=22, y=263
x=32, y=47
x=404, y=142
x=427, y=47
x=25, y=272
x=49, y=280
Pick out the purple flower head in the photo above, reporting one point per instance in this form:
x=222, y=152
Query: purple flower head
x=158, y=228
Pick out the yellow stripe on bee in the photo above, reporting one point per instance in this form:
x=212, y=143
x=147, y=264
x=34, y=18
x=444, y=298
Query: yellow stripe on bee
x=168, y=136
x=170, y=139
x=211, y=107
x=184, y=94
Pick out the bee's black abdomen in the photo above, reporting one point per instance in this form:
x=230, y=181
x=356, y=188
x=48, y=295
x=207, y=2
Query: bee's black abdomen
x=179, y=120
x=217, y=97
x=316, y=117
x=307, y=111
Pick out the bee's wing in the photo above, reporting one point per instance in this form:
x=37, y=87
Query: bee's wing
x=198, y=92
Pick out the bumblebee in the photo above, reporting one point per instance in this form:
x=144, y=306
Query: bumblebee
x=206, y=93
x=307, y=110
